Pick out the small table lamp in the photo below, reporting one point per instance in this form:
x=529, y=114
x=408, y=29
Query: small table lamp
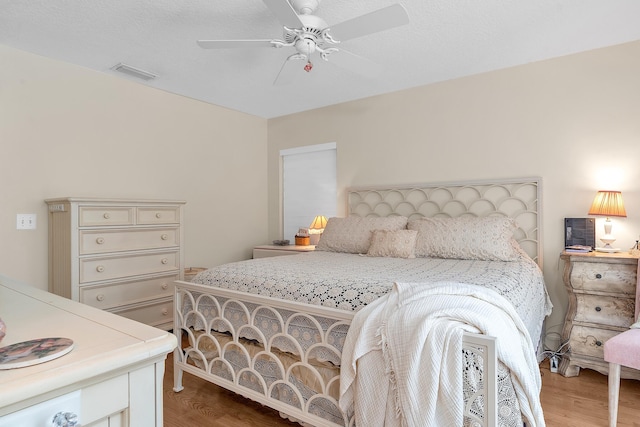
x=316, y=228
x=608, y=203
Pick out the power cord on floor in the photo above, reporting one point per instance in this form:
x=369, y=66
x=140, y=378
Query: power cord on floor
x=554, y=356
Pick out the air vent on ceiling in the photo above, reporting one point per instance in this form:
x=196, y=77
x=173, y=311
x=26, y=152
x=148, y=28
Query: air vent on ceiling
x=133, y=71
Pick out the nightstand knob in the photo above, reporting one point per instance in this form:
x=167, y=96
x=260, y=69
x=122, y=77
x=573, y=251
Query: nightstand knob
x=164, y=260
x=100, y=240
x=598, y=308
x=100, y=297
x=100, y=268
x=598, y=276
x=165, y=311
x=158, y=215
x=164, y=237
x=599, y=343
x=106, y=215
x=165, y=286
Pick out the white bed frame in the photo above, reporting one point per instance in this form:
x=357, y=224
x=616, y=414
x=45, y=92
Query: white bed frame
x=519, y=199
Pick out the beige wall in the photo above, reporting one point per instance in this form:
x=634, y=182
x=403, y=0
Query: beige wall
x=68, y=131
x=574, y=121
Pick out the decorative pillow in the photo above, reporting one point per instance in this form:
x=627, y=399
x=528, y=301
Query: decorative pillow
x=396, y=243
x=353, y=234
x=489, y=238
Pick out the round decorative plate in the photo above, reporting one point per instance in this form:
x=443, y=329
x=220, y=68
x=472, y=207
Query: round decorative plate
x=32, y=352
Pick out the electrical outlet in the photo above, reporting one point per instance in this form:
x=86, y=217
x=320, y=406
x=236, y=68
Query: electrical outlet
x=26, y=222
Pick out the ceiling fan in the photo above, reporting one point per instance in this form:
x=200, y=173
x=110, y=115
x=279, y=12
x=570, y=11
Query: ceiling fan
x=310, y=34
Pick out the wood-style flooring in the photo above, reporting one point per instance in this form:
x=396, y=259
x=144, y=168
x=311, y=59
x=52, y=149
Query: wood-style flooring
x=567, y=402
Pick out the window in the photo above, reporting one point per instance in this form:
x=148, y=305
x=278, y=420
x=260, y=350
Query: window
x=308, y=185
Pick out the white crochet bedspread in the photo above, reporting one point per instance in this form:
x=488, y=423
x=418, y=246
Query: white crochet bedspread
x=351, y=281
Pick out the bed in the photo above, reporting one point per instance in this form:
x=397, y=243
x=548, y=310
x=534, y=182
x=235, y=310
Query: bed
x=275, y=329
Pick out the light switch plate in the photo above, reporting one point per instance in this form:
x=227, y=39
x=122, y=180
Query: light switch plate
x=26, y=222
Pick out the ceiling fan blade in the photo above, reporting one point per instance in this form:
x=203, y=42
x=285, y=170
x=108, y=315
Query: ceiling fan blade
x=285, y=13
x=379, y=20
x=292, y=68
x=229, y=44
x=354, y=63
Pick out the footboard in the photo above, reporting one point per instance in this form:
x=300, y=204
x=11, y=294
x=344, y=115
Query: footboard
x=286, y=355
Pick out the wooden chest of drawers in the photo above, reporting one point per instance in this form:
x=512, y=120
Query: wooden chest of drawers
x=602, y=289
x=117, y=255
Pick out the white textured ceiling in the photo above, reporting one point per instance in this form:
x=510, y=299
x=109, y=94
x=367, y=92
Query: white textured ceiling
x=445, y=39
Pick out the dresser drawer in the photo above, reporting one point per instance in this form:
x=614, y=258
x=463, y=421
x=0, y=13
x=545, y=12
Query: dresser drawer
x=588, y=341
x=107, y=268
x=126, y=293
x=152, y=314
x=102, y=241
x=95, y=405
x=160, y=215
x=604, y=310
x=604, y=277
x=91, y=216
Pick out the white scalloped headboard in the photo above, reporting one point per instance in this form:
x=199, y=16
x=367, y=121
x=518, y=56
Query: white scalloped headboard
x=516, y=198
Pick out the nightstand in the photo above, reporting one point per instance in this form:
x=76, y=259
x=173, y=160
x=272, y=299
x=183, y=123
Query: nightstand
x=602, y=289
x=264, y=251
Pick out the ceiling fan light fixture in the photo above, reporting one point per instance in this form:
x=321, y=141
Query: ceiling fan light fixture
x=133, y=71
x=305, y=7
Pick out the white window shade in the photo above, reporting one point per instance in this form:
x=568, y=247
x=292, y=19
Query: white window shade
x=309, y=186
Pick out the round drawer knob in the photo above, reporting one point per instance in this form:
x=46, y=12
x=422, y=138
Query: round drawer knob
x=100, y=240
x=598, y=308
x=165, y=286
x=100, y=297
x=158, y=215
x=164, y=260
x=165, y=311
x=100, y=268
x=64, y=419
x=598, y=343
x=164, y=236
x=598, y=276
x=106, y=215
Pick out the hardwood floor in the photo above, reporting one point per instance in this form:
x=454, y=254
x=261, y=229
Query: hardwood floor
x=567, y=402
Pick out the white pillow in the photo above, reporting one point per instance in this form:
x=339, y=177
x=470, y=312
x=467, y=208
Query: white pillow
x=489, y=238
x=393, y=243
x=353, y=234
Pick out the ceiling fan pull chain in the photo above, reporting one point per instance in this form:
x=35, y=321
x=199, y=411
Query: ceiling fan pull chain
x=310, y=48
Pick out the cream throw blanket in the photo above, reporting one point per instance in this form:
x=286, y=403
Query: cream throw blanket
x=402, y=359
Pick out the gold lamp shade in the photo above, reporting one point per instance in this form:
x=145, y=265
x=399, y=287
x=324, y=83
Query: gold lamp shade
x=608, y=203
x=319, y=223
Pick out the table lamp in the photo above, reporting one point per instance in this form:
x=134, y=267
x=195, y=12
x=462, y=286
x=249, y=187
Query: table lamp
x=608, y=203
x=316, y=228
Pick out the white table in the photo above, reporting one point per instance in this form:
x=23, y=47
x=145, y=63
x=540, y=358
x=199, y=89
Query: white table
x=116, y=364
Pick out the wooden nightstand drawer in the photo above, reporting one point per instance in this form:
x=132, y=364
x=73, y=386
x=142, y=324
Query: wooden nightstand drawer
x=108, y=268
x=91, y=216
x=605, y=310
x=587, y=341
x=102, y=241
x=605, y=277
